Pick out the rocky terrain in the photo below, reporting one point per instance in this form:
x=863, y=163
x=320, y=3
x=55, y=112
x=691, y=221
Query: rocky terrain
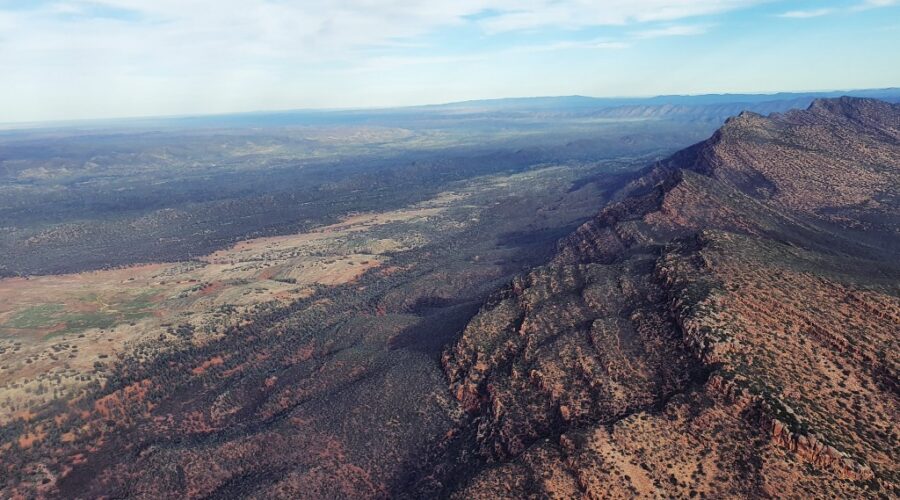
x=727, y=327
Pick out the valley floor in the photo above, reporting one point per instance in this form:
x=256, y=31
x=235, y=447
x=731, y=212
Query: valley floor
x=331, y=325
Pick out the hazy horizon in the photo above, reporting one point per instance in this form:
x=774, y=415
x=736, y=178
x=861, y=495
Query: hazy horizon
x=75, y=121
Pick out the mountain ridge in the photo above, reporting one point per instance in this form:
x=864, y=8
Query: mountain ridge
x=655, y=306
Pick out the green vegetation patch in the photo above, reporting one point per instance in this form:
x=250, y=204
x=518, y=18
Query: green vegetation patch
x=42, y=316
x=49, y=315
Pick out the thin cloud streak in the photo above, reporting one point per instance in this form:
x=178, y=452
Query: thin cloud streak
x=675, y=30
x=866, y=5
x=387, y=63
x=804, y=14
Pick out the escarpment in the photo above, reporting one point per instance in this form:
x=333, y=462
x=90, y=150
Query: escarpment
x=726, y=326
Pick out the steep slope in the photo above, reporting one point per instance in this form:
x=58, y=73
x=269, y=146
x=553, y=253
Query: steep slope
x=728, y=326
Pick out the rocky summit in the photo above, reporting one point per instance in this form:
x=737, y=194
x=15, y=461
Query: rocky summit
x=728, y=326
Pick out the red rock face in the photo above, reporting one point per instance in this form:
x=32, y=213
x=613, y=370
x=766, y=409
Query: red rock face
x=727, y=327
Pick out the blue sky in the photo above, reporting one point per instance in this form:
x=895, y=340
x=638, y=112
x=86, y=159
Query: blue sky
x=72, y=59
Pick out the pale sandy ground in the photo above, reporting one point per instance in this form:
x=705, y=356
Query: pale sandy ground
x=48, y=358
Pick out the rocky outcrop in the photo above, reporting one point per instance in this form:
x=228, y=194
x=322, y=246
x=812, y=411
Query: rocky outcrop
x=820, y=454
x=773, y=419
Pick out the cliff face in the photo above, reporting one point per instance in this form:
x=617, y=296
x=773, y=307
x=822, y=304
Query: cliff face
x=728, y=326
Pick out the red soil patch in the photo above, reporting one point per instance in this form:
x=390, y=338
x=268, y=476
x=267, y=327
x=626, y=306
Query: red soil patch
x=214, y=361
x=211, y=288
x=28, y=439
x=268, y=273
x=123, y=402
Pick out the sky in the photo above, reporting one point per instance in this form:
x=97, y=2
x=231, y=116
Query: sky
x=75, y=59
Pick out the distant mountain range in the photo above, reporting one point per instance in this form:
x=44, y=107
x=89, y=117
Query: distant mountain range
x=713, y=108
x=577, y=101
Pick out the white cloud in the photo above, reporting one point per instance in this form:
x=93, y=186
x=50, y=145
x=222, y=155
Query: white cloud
x=865, y=5
x=874, y=4
x=673, y=30
x=582, y=13
x=880, y=3
x=387, y=63
x=585, y=45
x=804, y=14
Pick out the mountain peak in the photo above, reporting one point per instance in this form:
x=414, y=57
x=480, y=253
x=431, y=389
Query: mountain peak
x=844, y=104
x=772, y=155
x=744, y=117
x=869, y=113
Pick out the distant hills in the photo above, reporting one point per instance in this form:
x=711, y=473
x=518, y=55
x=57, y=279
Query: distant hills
x=709, y=108
x=577, y=101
